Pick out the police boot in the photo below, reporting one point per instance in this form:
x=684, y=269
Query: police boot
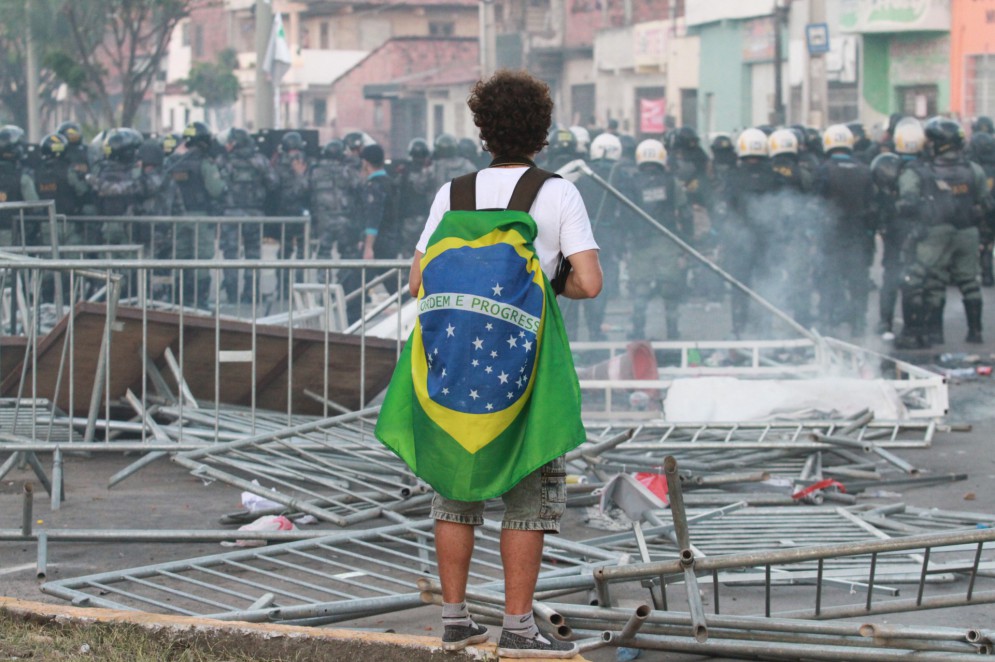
x=987, y=275
x=973, y=311
x=672, y=331
x=231, y=287
x=911, y=336
x=933, y=321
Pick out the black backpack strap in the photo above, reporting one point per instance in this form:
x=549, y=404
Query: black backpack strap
x=527, y=189
x=463, y=193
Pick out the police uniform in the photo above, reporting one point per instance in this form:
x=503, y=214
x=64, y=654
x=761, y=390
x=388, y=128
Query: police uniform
x=292, y=200
x=747, y=251
x=791, y=207
x=846, y=187
x=249, y=177
x=16, y=185
x=333, y=188
x=201, y=188
x=943, y=201
x=656, y=264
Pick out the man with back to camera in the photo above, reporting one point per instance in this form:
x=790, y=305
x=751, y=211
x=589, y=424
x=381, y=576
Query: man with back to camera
x=536, y=503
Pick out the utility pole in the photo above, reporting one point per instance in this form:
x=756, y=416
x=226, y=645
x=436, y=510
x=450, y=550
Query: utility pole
x=780, y=20
x=818, y=88
x=31, y=76
x=264, y=86
x=488, y=40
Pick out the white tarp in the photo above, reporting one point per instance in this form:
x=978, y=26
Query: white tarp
x=727, y=399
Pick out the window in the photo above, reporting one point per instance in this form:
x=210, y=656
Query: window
x=185, y=34
x=198, y=41
x=438, y=119
x=323, y=36
x=441, y=29
x=320, y=112
x=919, y=100
x=979, y=85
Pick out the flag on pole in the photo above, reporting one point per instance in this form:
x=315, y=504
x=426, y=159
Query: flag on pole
x=485, y=391
x=278, y=57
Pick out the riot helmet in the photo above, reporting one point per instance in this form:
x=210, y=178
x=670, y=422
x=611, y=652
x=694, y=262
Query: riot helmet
x=606, y=146
x=910, y=139
x=354, y=141
x=240, y=139
x=11, y=143
x=53, y=146
x=651, y=151
x=334, y=150
x=150, y=153
x=291, y=142
x=122, y=144
x=583, y=138
x=197, y=134
x=169, y=143
x=562, y=142
x=885, y=169
x=983, y=124
x=467, y=149
x=766, y=129
x=751, y=142
x=813, y=140
x=418, y=149
x=944, y=135
x=983, y=147
x=71, y=131
x=782, y=141
x=445, y=146
x=722, y=143
x=686, y=138
x=837, y=138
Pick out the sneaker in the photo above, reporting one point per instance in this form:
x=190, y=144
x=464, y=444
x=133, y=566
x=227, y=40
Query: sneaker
x=518, y=647
x=458, y=637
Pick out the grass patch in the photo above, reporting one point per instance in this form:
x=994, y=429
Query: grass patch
x=44, y=639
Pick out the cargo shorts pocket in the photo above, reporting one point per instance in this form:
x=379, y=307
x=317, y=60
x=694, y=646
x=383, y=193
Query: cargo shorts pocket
x=554, y=490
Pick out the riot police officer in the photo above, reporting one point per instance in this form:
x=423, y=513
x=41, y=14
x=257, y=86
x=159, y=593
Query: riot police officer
x=249, y=178
x=983, y=153
x=414, y=198
x=117, y=184
x=944, y=199
x=334, y=185
x=611, y=227
x=201, y=187
x=561, y=149
x=292, y=193
x=847, y=191
x=17, y=184
x=744, y=235
x=657, y=265
x=56, y=179
x=446, y=164
x=908, y=142
x=791, y=211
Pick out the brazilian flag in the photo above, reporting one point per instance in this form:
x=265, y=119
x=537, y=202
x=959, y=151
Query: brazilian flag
x=485, y=391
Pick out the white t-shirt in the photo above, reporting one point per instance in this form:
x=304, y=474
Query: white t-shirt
x=559, y=212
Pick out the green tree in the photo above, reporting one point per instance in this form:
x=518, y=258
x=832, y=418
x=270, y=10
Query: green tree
x=215, y=82
x=113, y=52
x=14, y=17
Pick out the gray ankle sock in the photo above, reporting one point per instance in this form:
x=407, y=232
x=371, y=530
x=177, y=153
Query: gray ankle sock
x=456, y=613
x=523, y=625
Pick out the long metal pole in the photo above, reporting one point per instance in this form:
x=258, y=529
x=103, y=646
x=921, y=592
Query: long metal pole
x=31, y=76
x=264, y=86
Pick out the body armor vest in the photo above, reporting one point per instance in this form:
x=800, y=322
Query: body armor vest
x=954, y=192
x=52, y=183
x=10, y=183
x=246, y=188
x=186, y=172
x=115, y=190
x=332, y=189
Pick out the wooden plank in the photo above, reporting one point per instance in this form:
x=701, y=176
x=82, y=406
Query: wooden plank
x=199, y=360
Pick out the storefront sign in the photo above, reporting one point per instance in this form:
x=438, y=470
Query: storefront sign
x=651, y=113
x=758, y=40
x=895, y=15
x=649, y=43
x=916, y=61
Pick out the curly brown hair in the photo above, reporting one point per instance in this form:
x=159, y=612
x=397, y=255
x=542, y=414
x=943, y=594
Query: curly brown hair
x=513, y=111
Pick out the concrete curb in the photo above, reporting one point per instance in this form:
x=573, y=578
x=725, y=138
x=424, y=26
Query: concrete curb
x=329, y=645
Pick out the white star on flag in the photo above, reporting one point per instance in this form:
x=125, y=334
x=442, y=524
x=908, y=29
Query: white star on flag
x=493, y=354
x=488, y=370
x=497, y=289
x=510, y=395
x=445, y=391
x=527, y=345
x=473, y=394
x=443, y=373
x=489, y=327
x=450, y=331
x=512, y=342
x=503, y=377
x=475, y=363
x=489, y=406
x=478, y=344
